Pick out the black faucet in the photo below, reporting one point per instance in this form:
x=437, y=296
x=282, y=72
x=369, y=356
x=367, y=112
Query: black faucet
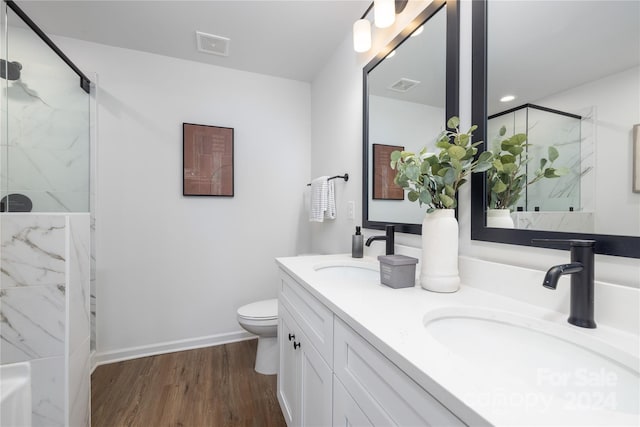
x=582, y=289
x=390, y=231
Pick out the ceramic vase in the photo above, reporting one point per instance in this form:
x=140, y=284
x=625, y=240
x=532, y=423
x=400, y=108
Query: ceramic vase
x=499, y=218
x=439, y=265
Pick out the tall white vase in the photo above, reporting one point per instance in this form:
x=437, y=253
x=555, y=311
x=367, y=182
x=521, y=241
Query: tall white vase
x=499, y=218
x=439, y=271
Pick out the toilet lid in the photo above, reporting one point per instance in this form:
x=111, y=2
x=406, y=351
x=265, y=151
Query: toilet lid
x=267, y=309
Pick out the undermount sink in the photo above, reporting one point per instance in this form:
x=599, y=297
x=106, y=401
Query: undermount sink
x=348, y=270
x=559, y=364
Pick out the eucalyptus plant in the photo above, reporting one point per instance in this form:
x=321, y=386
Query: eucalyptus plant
x=507, y=176
x=434, y=179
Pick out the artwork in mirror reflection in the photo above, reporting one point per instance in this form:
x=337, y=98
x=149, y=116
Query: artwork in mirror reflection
x=575, y=79
x=407, y=107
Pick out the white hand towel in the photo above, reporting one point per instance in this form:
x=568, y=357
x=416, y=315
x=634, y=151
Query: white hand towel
x=318, y=202
x=330, y=213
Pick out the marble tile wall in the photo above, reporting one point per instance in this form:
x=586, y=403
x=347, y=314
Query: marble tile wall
x=574, y=140
x=578, y=222
x=47, y=129
x=44, y=281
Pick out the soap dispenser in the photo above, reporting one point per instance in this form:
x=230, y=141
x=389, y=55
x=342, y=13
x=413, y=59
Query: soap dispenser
x=356, y=244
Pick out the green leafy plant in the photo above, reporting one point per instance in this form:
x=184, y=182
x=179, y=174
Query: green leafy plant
x=434, y=179
x=507, y=176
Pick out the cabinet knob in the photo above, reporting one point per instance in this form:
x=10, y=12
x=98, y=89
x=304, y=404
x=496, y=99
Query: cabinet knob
x=292, y=337
x=296, y=345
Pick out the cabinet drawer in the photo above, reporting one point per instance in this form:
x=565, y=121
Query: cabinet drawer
x=315, y=320
x=383, y=392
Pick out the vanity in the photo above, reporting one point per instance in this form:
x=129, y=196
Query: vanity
x=355, y=352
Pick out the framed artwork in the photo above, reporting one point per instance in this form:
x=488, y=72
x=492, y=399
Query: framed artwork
x=207, y=160
x=636, y=158
x=383, y=186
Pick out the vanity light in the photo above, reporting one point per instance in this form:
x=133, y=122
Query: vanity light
x=384, y=13
x=362, y=35
x=507, y=98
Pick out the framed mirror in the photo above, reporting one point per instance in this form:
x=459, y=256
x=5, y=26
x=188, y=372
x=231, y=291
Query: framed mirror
x=573, y=71
x=410, y=89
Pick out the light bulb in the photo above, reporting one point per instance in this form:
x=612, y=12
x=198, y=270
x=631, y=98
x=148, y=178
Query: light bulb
x=384, y=12
x=362, y=35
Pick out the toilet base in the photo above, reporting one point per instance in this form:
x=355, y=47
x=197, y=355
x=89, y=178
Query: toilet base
x=267, y=356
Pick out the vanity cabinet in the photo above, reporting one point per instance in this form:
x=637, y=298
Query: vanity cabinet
x=305, y=377
x=330, y=375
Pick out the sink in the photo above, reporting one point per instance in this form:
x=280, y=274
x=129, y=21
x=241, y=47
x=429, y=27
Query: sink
x=557, y=364
x=348, y=270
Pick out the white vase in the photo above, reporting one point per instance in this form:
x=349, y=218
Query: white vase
x=499, y=218
x=439, y=265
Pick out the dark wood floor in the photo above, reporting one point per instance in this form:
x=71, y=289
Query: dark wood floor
x=214, y=386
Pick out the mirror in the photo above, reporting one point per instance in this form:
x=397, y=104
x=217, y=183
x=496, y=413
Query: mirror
x=409, y=91
x=574, y=69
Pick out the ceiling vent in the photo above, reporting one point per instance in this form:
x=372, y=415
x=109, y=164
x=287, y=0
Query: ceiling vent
x=404, y=85
x=216, y=45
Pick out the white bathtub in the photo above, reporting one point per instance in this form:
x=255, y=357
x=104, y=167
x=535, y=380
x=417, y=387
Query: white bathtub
x=15, y=390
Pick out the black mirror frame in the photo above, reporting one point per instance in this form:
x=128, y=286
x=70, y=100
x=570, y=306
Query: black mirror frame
x=625, y=246
x=452, y=95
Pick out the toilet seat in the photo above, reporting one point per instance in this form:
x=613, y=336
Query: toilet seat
x=260, y=311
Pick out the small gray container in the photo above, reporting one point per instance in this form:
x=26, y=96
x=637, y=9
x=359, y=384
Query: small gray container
x=398, y=271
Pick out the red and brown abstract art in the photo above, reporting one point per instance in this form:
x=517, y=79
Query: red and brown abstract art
x=207, y=160
x=384, y=187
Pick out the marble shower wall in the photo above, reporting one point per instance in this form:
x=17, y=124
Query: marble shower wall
x=46, y=152
x=570, y=222
x=574, y=140
x=44, y=311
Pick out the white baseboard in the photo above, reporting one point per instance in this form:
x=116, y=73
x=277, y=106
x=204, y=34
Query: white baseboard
x=107, y=357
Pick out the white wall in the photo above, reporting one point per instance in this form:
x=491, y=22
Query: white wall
x=172, y=270
x=337, y=92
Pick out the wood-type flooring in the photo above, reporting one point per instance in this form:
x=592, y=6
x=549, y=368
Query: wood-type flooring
x=213, y=386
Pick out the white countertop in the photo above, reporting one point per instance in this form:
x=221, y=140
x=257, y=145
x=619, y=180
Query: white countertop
x=393, y=321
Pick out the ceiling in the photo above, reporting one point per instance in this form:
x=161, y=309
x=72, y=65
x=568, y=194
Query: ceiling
x=540, y=48
x=290, y=39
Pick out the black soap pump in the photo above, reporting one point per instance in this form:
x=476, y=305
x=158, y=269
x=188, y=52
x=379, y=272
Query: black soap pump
x=356, y=244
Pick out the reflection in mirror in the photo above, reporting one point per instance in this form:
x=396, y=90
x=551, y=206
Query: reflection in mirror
x=563, y=80
x=406, y=106
x=575, y=81
x=543, y=166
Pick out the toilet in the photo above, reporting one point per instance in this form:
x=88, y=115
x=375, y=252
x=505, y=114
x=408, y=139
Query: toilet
x=261, y=319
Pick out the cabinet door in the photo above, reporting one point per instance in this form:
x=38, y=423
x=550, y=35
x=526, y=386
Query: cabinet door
x=288, y=390
x=385, y=393
x=346, y=412
x=316, y=387
x=315, y=319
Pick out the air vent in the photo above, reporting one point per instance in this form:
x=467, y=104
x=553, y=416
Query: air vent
x=216, y=45
x=404, y=85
